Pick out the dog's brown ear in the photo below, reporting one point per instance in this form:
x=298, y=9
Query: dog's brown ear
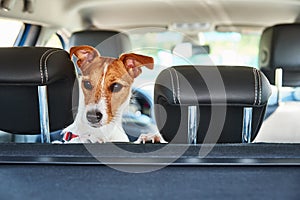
x=133, y=63
x=84, y=54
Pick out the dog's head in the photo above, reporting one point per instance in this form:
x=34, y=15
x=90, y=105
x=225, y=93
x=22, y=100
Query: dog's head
x=106, y=82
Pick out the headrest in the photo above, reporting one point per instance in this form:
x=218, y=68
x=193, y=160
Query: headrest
x=108, y=43
x=280, y=48
x=207, y=85
x=22, y=70
x=29, y=65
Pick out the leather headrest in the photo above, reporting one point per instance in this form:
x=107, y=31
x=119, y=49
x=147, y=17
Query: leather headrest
x=108, y=43
x=34, y=65
x=206, y=85
x=280, y=48
x=22, y=70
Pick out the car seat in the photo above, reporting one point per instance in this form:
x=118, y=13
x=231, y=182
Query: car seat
x=37, y=90
x=210, y=104
x=279, y=60
x=108, y=43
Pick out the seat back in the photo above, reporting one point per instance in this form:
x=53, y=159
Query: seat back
x=228, y=103
x=279, y=49
x=108, y=43
x=36, y=83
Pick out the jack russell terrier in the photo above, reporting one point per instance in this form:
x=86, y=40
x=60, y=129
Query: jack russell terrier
x=103, y=95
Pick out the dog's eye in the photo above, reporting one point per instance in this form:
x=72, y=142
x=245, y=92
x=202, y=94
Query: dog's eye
x=115, y=87
x=87, y=85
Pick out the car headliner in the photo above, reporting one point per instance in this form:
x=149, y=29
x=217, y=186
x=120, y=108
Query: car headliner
x=75, y=15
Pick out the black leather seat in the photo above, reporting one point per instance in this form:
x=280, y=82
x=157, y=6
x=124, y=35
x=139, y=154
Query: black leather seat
x=108, y=43
x=279, y=49
x=220, y=95
x=27, y=72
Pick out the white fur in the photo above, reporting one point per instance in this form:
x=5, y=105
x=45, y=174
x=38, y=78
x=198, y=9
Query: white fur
x=103, y=132
x=112, y=132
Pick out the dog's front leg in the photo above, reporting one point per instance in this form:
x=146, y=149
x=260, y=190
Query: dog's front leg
x=70, y=135
x=92, y=138
x=86, y=138
x=150, y=137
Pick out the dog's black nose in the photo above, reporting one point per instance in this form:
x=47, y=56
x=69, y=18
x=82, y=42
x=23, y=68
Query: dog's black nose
x=94, y=116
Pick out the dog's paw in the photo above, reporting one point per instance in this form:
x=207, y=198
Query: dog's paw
x=150, y=137
x=57, y=142
x=76, y=140
x=88, y=138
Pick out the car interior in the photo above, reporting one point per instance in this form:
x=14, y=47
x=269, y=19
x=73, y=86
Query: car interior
x=224, y=94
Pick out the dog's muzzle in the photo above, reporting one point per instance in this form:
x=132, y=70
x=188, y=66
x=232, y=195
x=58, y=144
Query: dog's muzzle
x=94, y=116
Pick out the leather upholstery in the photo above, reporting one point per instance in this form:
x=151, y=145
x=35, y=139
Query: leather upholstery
x=279, y=48
x=108, y=43
x=22, y=70
x=212, y=89
x=243, y=85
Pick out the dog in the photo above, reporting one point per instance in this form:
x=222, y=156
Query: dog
x=104, y=92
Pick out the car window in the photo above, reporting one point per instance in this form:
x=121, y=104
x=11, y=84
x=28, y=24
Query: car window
x=232, y=48
x=55, y=41
x=10, y=30
x=225, y=48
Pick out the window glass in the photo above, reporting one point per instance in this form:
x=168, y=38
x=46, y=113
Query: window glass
x=231, y=48
x=54, y=41
x=9, y=31
x=225, y=48
x=157, y=45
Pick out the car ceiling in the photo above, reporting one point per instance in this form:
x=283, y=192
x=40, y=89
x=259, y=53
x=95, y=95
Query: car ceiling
x=75, y=15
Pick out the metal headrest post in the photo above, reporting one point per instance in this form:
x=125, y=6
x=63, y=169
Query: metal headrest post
x=247, y=125
x=192, y=125
x=278, y=83
x=44, y=114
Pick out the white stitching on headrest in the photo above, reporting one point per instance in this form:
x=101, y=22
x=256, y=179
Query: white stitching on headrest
x=46, y=69
x=260, y=87
x=173, y=88
x=178, y=87
x=41, y=64
x=255, y=86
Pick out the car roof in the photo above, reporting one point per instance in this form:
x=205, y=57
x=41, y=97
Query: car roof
x=75, y=15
